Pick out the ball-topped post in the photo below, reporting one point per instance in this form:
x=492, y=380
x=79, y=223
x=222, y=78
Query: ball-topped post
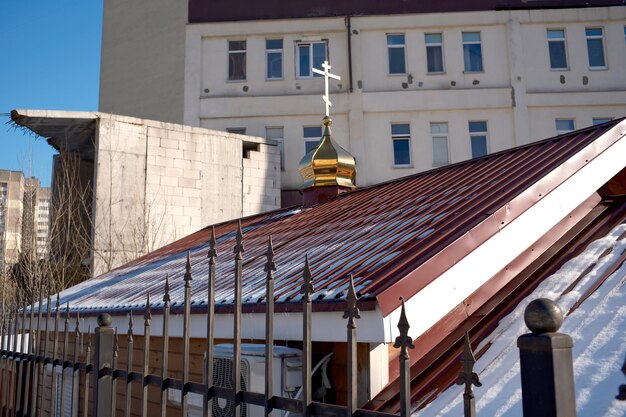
x=546, y=365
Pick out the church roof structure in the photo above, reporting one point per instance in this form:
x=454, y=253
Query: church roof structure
x=395, y=238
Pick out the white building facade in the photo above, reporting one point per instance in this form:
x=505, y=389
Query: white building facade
x=417, y=90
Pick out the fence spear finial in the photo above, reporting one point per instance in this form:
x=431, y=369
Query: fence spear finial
x=147, y=314
x=187, y=276
x=468, y=377
x=403, y=341
x=352, y=311
x=212, y=251
x=270, y=265
x=166, y=293
x=239, y=246
x=307, y=286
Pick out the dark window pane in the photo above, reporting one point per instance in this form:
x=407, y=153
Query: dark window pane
x=237, y=66
x=312, y=131
x=401, y=155
x=305, y=60
x=434, y=58
x=596, y=52
x=319, y=56
x=557, y=55
x=274, y=44
x=477, y=126
x=473, y=57
x=395, y=39
x=593, y=32
x=400, y=129
x=274, y=65
x=479, y=146
x=396, y=61
x=236, y=45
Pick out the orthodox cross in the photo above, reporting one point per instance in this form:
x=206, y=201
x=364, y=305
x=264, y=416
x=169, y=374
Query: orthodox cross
x=326, y=73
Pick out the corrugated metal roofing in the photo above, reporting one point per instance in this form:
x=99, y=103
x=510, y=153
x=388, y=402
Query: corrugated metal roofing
x=379, y=234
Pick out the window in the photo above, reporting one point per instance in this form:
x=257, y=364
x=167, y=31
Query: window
x=401, y=138
x=564, y=126
x=556, y=49
x=312, y=137
x=472, y=52
x=276, y=133
x=395, y=51
x=236, y=60
x=595, y=48
x=274, y=58
x=236, y=130
x=600, y=120
x=310, y=55
x=434, y=52
x=478, y=138
x=439, y=133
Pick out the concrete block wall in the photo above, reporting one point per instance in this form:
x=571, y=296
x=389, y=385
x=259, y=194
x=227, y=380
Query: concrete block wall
x=157, y=182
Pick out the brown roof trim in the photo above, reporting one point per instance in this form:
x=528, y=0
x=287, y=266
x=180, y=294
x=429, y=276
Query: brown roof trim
x=201, y=11
x=417, y=279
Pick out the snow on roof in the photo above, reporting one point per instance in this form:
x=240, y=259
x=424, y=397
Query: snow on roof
x=597, y=327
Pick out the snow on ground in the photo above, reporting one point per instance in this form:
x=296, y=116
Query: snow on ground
x=598, y=328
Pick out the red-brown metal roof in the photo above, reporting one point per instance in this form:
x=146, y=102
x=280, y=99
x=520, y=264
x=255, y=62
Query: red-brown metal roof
x=395, y=238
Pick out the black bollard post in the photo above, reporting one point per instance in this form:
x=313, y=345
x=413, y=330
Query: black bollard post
x=546, y=363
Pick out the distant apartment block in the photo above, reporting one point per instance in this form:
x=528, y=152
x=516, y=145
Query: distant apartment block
x=24, y=217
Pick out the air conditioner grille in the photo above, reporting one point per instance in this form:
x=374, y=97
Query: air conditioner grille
x=223, y=377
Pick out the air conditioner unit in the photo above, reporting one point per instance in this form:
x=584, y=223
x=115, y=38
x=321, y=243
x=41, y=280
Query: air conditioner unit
x=286, y=372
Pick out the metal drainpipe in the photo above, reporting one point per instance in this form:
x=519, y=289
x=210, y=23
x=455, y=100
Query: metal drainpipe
x=349, y=29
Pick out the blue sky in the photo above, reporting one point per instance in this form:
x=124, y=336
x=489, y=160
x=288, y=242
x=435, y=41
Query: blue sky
x=49, y=59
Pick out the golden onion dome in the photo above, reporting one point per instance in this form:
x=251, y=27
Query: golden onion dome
x=328, y=164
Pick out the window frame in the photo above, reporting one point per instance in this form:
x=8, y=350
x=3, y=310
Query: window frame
x=559, y=40
x=404, y=58
x=439, y=135
x=482, y=57
x=435, y=45
x=564, y=119
x=308, y=139
x=396, y=137
x=603, y=48
x=299, y=44
x=244, y=53
x=281, y=142
x=279, y=52
x=478, y=134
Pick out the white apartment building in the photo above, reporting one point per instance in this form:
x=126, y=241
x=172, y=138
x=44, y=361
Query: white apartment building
x=423, y=84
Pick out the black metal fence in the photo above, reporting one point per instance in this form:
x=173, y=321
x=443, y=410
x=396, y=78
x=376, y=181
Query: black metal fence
x=47, y=368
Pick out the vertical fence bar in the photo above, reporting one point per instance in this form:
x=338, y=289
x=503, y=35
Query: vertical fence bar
x=238, y=250
x=45, y=356
x=87, y=374
x=404, y=342
x=38, y=374
x=14, y=368
x=7, y=369
x=55, y=355
x=76, y=369
x=103, y=357
x=469, y=378
x=352, y=313
x=29, y=392
x=65, y=353
x=116, y=351
x=146, y=357
x=307, y=290
x=270, y=267
x=166, y=346
x=129, y=365
x=20, y=388
x=3, y=374
x=187, y=279
x=210, y=317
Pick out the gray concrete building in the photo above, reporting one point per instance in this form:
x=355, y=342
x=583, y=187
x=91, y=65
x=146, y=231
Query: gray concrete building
x=138, y=184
